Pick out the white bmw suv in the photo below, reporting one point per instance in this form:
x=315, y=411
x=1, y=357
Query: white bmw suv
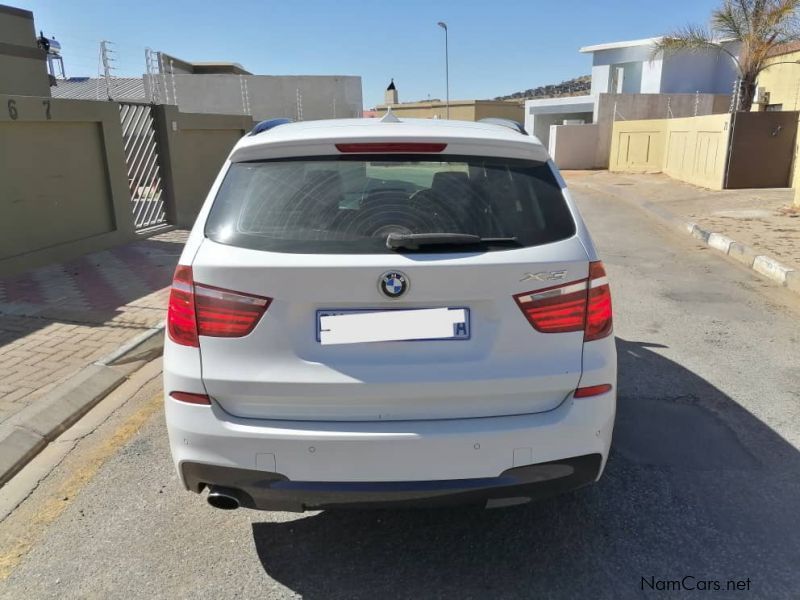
x=387, y=313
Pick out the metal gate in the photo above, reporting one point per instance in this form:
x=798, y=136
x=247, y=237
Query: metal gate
x=142, y=165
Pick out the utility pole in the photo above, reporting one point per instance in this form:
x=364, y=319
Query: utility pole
x=443, y=25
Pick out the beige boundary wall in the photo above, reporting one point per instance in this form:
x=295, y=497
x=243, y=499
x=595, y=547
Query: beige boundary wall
x=192, y=147
x=63, y=183
x=64, y=190
x=460, y=110
x=635, y=107
x=23, y=68
x=692, y=149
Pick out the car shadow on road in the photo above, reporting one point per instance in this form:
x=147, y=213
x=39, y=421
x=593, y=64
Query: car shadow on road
x=695, y=486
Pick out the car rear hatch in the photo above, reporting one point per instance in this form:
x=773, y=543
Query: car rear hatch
x=316, y=247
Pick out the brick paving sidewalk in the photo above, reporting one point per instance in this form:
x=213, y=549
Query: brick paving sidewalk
x=57, y=319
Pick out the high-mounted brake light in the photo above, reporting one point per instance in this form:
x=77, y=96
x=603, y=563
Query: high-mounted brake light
x=390, y=147
x=583, y=305
x=196, y=309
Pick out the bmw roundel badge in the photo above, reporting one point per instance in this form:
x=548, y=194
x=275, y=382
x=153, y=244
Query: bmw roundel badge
x=393, y=284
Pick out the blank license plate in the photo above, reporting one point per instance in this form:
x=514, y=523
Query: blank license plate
x=358, y=326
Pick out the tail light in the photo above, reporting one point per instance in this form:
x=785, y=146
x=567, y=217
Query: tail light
x=196, y=309
x=583, y=305
x=599, y=321
x=181, y=321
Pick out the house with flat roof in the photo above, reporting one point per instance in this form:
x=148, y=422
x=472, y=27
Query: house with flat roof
x=632, y=67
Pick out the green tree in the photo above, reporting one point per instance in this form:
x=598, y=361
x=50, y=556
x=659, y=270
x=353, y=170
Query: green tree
x=759, y=27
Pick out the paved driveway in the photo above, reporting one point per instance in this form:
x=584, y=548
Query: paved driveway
x=703, y=480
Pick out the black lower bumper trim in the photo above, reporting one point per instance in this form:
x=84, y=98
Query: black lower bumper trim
x=272, y=491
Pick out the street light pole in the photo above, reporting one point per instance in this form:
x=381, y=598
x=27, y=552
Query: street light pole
x=443, y=25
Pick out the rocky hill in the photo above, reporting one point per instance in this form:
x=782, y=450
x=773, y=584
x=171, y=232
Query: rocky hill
x=577, y=86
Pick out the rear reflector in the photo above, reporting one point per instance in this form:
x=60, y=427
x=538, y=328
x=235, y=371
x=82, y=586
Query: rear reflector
x=390, y=147
x=592, y=390
x=191, y=398
x=583, y=305
x=196, y=309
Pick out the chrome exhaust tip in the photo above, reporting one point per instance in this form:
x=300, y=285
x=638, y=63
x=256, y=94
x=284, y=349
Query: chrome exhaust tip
x=222, y=499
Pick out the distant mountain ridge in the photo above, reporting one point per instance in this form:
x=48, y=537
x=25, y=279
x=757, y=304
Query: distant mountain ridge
x=577, y=86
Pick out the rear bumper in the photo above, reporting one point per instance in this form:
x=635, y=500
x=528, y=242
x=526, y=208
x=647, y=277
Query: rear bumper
x=291, y=465
x=272, y=491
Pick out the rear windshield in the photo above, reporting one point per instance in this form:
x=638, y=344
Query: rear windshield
x=350, y=205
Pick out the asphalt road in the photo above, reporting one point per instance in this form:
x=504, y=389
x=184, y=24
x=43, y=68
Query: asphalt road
x=703, y=480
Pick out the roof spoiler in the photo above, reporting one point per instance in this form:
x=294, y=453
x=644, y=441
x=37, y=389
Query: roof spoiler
x=268, y=124
x=509, y=123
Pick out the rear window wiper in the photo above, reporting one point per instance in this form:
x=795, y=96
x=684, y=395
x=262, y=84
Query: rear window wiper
x=413, y=241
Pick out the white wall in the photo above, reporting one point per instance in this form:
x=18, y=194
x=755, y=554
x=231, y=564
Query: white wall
x=727, y=71
x=651, y=76
x=601, y=75
x=705, y=72
x=270, y=96
x=683, y=72
x=615, y=56
x=642, y=72
x=632, y=77
x=573, y=146
x=542, y=123
x=560, y=109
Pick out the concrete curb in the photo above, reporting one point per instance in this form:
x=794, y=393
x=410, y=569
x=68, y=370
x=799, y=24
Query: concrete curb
x=750, y=257
x=760, y=263
x=62, y=407
x=146, y=347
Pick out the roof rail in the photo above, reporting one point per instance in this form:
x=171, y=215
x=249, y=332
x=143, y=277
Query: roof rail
x=510, y=123
x=267, y=125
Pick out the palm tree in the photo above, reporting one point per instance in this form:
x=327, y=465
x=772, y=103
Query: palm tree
x=759, y=27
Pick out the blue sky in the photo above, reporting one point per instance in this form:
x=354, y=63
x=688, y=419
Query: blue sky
x=496, y=47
